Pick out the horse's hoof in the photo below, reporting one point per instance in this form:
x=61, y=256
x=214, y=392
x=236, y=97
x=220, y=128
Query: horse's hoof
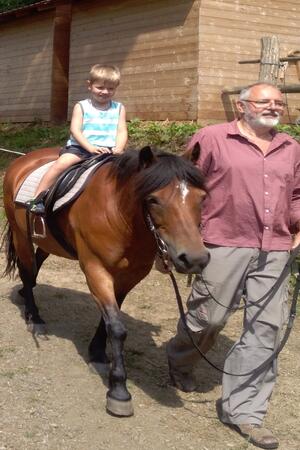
x=99, y=368
x=21, y=292
x=119, y=408
x=37, y=329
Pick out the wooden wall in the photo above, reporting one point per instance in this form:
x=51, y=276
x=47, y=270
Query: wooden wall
x=25, y=68
x=175, y=56
x=230, y=31
x=155, y=45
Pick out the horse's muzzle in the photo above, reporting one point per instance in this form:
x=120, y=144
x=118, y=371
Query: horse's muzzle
x=191, y=262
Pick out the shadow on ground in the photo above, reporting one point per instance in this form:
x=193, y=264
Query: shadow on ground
x=70, y=314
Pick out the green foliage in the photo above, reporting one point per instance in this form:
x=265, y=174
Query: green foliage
x=6, y=5
x=292, y=130
x=30, y=136
x=171, y=136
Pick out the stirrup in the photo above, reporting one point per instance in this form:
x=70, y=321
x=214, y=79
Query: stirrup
x=36, y=234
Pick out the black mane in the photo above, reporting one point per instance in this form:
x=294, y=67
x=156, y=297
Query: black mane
x=165, y=168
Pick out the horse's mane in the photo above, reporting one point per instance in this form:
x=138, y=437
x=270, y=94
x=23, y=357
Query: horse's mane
x=159, y=174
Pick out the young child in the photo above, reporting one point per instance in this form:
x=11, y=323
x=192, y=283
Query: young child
x=98, y=126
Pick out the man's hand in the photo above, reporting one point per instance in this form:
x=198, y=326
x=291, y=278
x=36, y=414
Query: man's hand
x=296, y=240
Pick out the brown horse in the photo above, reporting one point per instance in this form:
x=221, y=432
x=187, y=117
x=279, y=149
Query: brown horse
x=107, y=226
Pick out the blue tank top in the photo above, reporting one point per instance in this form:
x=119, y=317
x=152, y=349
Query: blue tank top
x=99, y=127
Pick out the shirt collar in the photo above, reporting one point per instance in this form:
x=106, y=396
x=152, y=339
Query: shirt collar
x=278, y=138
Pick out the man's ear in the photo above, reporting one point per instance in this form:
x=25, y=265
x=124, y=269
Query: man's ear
x=240, y=106
x=193, y=154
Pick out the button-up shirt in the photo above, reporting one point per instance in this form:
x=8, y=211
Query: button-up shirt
x=253, y=199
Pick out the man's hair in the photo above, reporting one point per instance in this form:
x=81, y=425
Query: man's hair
x=105, y=73
x=245, y=93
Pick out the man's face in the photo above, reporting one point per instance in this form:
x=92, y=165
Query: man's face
x=263, y=108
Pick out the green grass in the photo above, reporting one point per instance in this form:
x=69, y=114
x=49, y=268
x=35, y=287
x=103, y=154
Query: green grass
x=169, y=136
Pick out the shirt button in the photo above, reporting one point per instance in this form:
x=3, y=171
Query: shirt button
x=267, y=210
x=266, y=228
x=266, y=176
x=266, y=193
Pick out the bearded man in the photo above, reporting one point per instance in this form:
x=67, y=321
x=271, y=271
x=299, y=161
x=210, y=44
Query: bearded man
x=248, y=217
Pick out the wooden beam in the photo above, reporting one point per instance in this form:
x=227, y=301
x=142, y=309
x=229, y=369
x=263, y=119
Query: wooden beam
x=284, y=88
x=257, y=61
x=60, y=62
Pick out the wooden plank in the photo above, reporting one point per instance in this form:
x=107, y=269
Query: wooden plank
x=132, y=13
x=60, y=63
x=252, y=12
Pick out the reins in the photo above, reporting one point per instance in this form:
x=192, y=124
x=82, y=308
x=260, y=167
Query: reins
x=293, y=255
x=163, y=253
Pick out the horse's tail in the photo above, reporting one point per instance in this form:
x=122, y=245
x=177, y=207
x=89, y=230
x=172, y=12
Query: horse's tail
x=7, y=245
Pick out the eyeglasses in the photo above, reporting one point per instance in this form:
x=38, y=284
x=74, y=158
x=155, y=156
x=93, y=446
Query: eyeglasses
x=266, y=102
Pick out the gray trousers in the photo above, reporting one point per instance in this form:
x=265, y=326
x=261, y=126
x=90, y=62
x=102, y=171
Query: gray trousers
x=231, y=274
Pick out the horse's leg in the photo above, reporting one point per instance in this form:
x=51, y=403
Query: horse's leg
x=118, y=398
x=101, y=286
x=40, y=257
x=97, y=348
x=27, y=270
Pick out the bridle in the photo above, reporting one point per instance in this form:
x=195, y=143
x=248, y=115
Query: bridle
x=164, y=255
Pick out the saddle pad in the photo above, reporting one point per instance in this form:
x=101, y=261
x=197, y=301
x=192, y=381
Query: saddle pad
x=27, y=189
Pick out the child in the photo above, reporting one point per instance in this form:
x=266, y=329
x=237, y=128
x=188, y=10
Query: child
x=98, y=126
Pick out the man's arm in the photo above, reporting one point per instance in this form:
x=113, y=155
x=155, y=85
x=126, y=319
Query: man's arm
x=295, y=208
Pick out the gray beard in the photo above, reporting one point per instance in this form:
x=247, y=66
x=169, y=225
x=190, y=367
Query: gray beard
x=263, y=121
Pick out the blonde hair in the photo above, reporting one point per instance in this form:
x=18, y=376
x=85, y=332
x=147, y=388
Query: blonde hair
x=105, y=73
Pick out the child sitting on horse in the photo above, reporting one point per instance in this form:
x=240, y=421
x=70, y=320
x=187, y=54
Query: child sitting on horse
x=98, y=126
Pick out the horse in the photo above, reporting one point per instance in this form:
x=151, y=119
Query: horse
x=107, y=226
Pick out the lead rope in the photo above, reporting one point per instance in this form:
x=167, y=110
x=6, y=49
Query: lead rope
x=292, y=315
x=293, y=255
x=163, y=254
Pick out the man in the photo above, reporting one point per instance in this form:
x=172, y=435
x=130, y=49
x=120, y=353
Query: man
x=253, y=204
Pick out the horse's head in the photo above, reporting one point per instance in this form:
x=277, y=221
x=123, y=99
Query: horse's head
x=173, y=190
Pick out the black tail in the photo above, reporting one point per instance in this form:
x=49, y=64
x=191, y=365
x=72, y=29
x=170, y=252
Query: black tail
x=11, y=257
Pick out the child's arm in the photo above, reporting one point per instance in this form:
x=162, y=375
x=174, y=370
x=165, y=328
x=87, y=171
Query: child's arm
x=76, y=127
x=122, y=134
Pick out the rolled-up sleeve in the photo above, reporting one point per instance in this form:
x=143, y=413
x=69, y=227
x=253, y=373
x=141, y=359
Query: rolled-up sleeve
x=295, y=207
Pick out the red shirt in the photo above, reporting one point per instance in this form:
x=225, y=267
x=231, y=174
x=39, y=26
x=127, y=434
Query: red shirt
x=253, y=199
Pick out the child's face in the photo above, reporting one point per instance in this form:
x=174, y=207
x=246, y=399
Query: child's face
x=102, y=91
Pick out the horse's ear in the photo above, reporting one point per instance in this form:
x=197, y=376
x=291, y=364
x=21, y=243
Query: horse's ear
x=146, y=157
x=192, y=154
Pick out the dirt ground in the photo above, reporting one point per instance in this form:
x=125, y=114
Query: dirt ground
x=51, y=400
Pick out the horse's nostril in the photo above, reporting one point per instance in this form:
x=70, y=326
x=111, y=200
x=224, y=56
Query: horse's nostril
x=183, y=258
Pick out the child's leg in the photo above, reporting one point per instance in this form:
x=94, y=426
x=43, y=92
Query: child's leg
x=62, y=163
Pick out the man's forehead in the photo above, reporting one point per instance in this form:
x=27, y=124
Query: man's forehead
x=267, y=92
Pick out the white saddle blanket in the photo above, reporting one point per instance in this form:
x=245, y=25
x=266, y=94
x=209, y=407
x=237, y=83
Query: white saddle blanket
x=27, y=189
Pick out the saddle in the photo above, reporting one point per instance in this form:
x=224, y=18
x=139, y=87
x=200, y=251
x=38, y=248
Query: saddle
x=70, y=178
x=69, y=185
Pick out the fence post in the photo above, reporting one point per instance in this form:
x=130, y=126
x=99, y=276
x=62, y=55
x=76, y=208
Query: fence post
x=269, y=59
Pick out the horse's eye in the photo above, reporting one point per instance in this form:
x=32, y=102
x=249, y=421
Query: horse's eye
x=152, y=201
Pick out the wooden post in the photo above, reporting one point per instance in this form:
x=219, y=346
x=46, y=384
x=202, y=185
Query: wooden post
x=269, y=59
x=60, y=62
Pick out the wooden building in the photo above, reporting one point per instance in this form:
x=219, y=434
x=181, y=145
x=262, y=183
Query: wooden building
x=175, y=56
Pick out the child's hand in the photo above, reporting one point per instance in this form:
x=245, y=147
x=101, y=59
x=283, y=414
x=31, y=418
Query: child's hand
x=99, y=150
